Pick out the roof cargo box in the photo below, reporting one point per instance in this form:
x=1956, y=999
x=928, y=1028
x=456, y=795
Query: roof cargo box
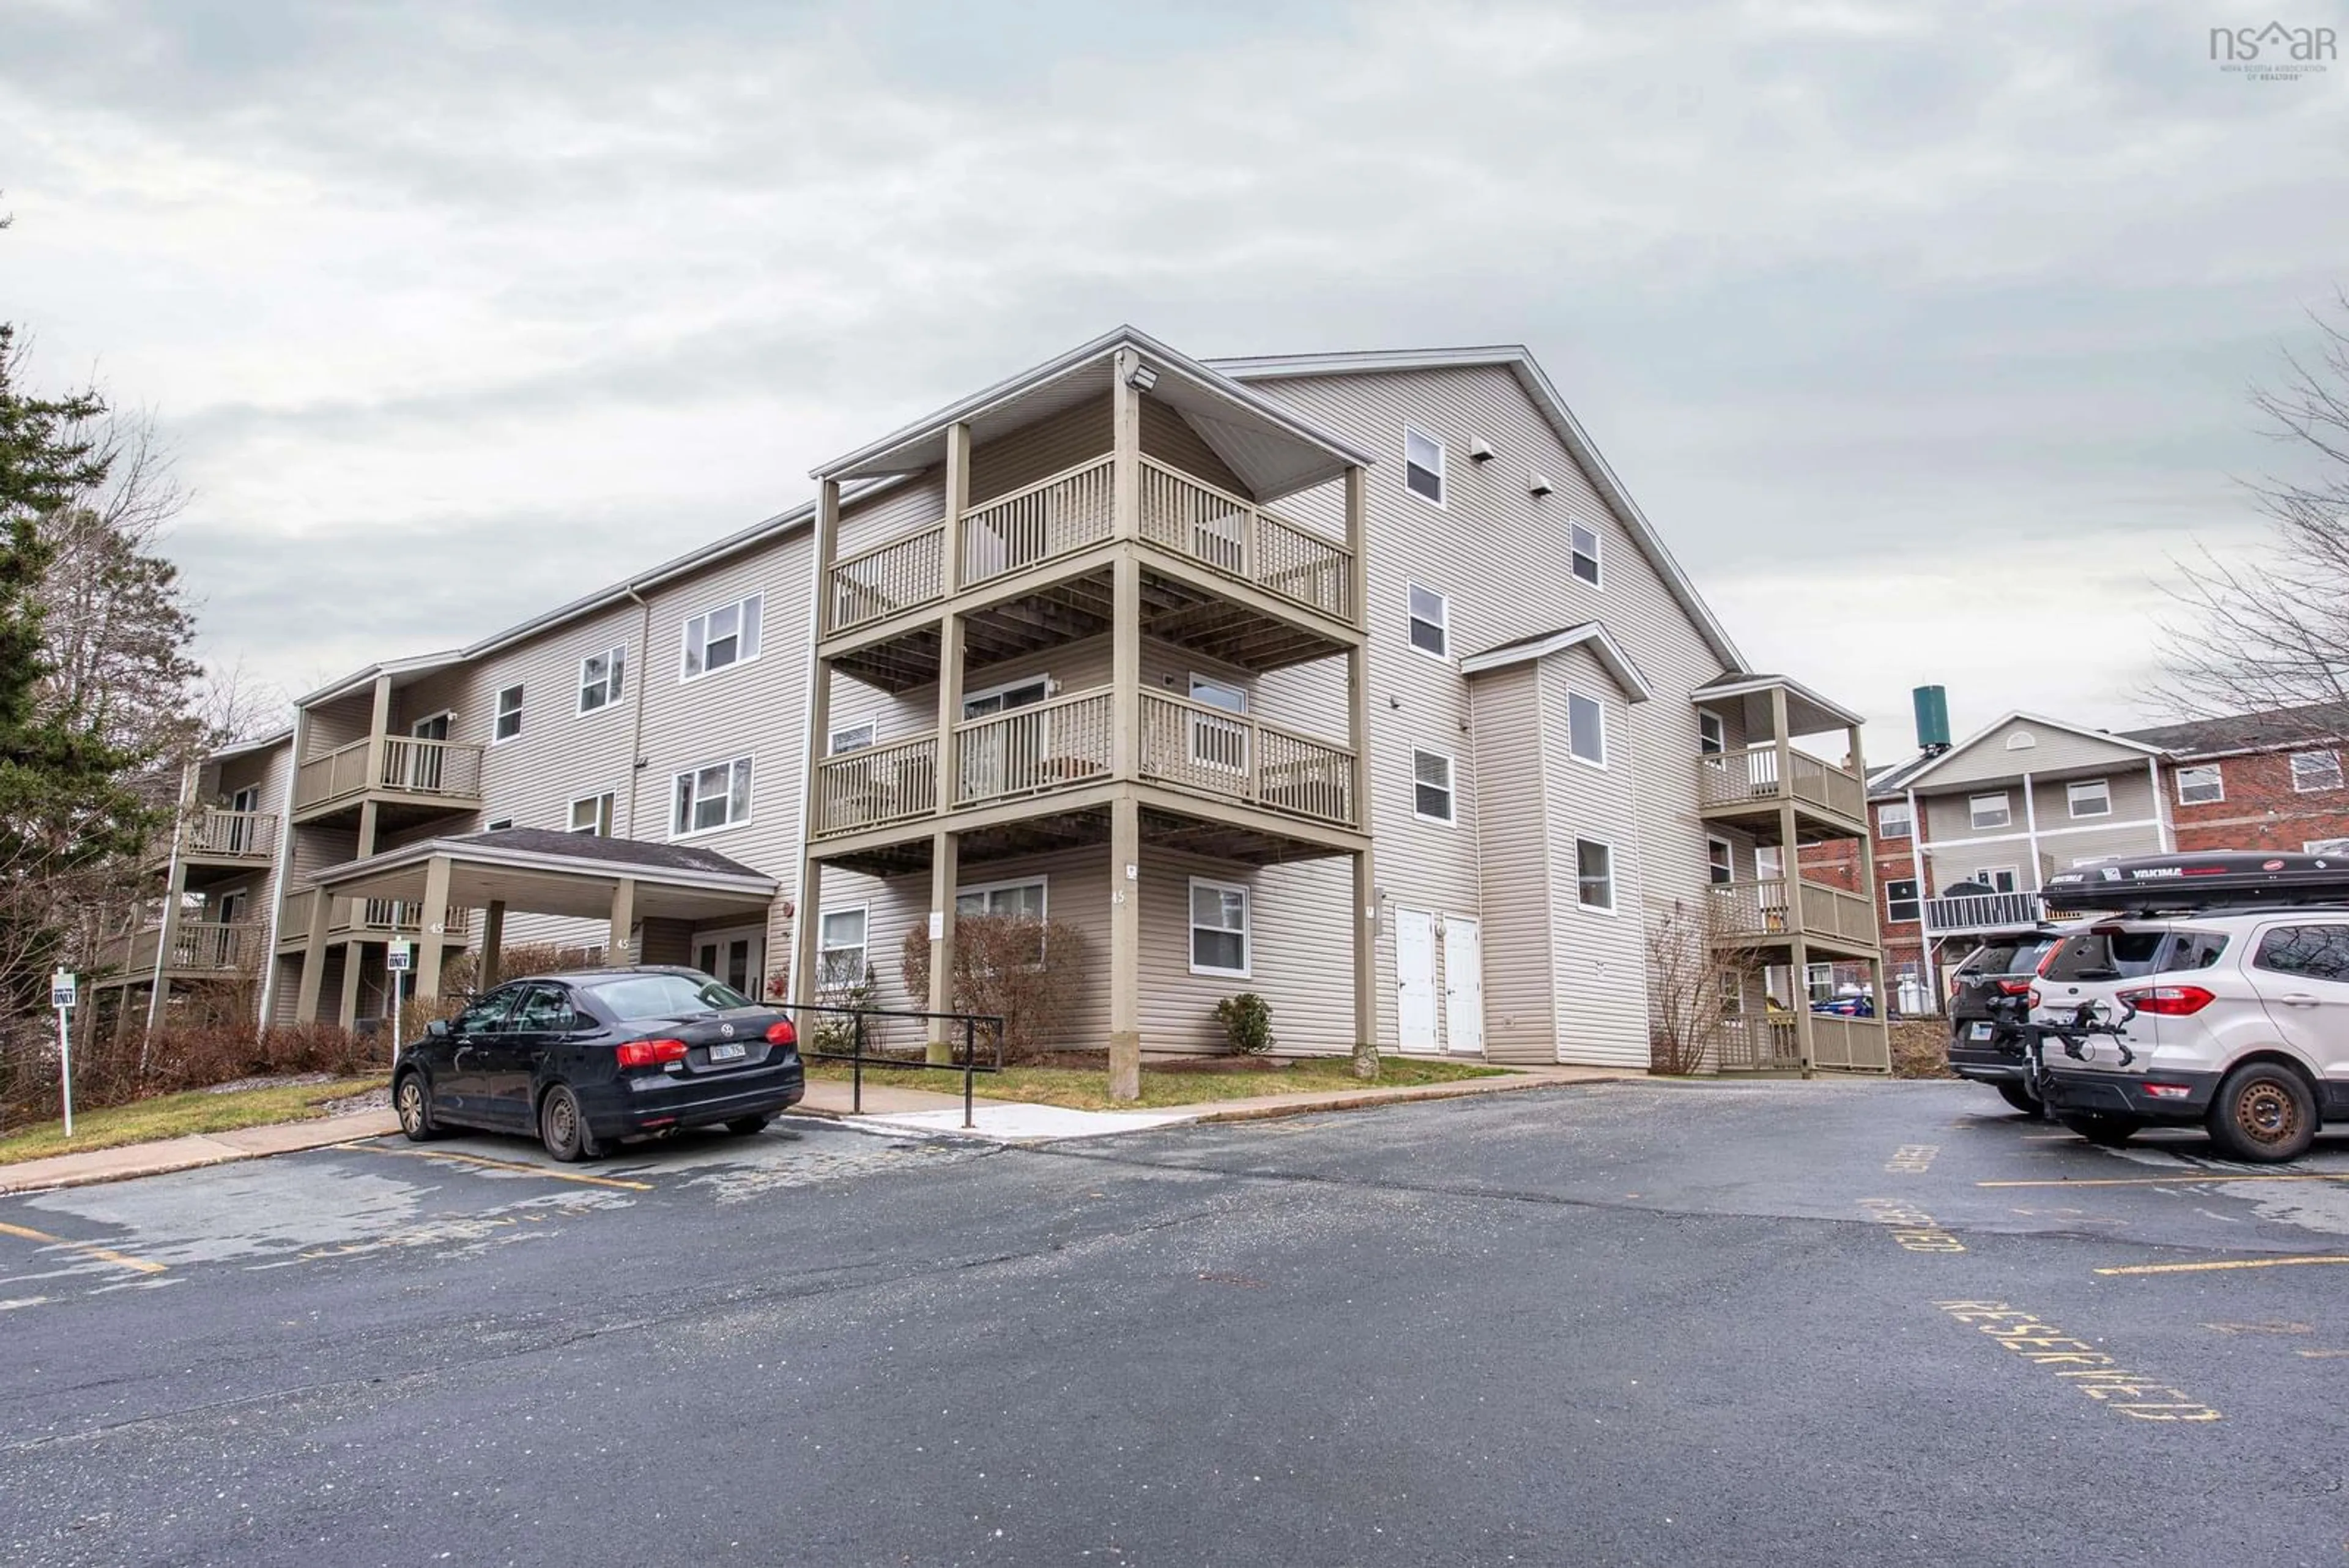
x=2209, y=881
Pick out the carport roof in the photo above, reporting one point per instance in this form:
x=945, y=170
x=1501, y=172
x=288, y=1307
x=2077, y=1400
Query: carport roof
x=544, y=872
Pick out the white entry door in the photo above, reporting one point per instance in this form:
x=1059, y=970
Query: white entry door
x=1414, y=979
x=1463, y=986
x=738, y=957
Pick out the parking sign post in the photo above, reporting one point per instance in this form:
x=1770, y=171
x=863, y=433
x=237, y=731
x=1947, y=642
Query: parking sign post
x=397, y=959
x=61, y=997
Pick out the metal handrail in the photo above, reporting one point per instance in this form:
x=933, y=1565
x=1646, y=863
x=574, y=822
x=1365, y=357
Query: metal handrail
x=857, y=1058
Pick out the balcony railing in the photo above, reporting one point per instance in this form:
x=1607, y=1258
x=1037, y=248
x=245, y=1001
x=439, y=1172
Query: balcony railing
x=389, y=917
x=399, y=763
x=198, y=946
x=1750, y=777
x=1753, y=1042
x=1983, y=912
x=1069, y=741
x=230, y=834
x=1074, y=510
x=1746, y=911
x=1851, y=1044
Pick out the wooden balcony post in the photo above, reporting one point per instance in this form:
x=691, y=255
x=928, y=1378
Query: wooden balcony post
x=1125, y=949
x=1358, y=543
x=1366, y=965
x=957, y=503
x=1126, y=667
x=945, y=873
x=827, y=550
x=314, y=959
x=433, y=923
x=1125, y=447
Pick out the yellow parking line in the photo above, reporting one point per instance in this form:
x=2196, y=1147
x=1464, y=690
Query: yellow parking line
x=2225, y=1264
x=88, y=1250
x=517, y=1166
x=2187, y=1177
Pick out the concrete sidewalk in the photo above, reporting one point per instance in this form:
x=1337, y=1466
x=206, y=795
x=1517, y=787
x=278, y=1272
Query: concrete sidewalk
x=133, y=1159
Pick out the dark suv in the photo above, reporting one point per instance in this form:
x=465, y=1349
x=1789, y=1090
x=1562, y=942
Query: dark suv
x=1984, y=1047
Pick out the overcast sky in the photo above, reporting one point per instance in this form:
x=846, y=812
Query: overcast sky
x=1922, y=330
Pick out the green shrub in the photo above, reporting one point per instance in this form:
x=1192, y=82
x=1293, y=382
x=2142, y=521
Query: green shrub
x=1247, y=1023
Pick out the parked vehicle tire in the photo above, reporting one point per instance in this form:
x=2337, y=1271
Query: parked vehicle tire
x=414, y=1105
x=2105, y=1131
x=2020, y=1096
x=563, y=1127
x=2264, y=1113
x=745, y=1126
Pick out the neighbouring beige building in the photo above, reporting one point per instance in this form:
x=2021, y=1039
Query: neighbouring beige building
x=1355, y=680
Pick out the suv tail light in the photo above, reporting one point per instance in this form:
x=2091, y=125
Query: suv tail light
x=2169, y=1001
x=2014, y=988
x=781, y=1033
x=2033, y=995
x=650, y=1052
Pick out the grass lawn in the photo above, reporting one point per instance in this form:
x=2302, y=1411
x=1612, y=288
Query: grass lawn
x=177, y=1115
x=1087, y=1088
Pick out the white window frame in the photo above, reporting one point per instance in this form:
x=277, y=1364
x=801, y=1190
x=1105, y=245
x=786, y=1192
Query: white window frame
x=1191, y=928
x=1043, y=684
x=687, y=653
x=1728, y=861
x=607, y=804
x=1207, y=734
x=1451, y=786
x=1915, y=901
x=2217, y=780
x=1908, y=823
x=2324, y=847
x=2071, y=798
x=1575, y=533
x=1442, y=469
x=984, y=891
x=834, y=747
x=1719, y=737
x=1988, y=876
x=2005, y=799
x=1613, y=902
x=748, y=760
x=416, y=729
x=1574, y=731
x=1413, y=620
x=500, y=714
x=2298, y=788
x=864, y=950
x=613, y=685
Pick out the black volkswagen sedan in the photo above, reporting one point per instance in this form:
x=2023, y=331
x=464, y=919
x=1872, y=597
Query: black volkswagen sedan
x=586, y=1058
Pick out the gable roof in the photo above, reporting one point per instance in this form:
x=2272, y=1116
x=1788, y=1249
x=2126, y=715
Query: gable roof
x=1518, y=361
x=1542, y=644
x=1910, y=779
x=2249, y=732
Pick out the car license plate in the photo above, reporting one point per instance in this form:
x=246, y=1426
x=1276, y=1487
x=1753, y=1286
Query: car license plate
x=1979, y=1032
x=727, y=1053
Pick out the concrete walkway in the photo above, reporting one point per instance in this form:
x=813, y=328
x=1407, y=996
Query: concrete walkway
x=186, y=1153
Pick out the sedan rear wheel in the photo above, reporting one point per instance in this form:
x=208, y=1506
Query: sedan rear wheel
x=2263, y=1113
x=563, y=1127
x=415, y=1107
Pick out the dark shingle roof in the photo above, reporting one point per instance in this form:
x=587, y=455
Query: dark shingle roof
x=618, y=851
x=2249, y=732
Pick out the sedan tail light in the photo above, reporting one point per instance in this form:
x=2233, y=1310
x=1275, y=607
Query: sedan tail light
x=781, y=1033
x=650, y=1052
x=2169, y=1001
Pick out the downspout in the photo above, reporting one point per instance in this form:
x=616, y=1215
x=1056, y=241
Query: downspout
x=2031, y=830
x=637, y=739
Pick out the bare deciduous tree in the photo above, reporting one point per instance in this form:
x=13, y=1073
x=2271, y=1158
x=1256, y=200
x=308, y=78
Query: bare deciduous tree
x=1693, y=962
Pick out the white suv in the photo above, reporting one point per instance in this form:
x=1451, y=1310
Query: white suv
x=2242, y=1024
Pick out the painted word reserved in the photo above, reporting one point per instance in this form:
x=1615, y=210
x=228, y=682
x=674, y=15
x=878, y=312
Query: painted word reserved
x=2095, y=1373
x=1911, y=1227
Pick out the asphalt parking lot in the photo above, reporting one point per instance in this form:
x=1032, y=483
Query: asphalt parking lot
x=1772, y=1323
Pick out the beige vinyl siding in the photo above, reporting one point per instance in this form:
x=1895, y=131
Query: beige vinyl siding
x=2130, y=789
x=2053, y=750
x=1599, y=960
x=1513, y=837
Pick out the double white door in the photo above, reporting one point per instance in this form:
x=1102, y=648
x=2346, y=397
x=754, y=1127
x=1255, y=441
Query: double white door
x=1416, y=990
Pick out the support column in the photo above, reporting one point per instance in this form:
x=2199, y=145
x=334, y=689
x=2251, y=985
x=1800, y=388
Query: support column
x=1366, y=966
x=1125, y=949
x=314, y=959
x=494, y=941
x=431, y=932
x=1125, y=448
x=175, y=888
x=946, y=872
x=807, y=931
x=619, y=949
x=950, y=638
x=1125, y=623
x=354, y=960
x=1790, y=872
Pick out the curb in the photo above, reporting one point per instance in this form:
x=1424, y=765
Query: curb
x=219, y=1154
x=1417, y=1094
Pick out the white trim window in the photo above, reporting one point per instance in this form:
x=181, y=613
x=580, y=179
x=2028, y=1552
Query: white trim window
x=1586, y=729
x=840, y=953
x=2089, y=797
x=1583, y=552
x=853, y=738
x=1892, y=820
x=1024, y=692
x=1988, y=811
x=1220, y=928
x=1430, y=613
x=1423, y=465
x=708, y=798
x=1901, y=904
x=601, y=678
x=1712, y=733
x=1021, y=901
x=1720, y=861
x=726, y=635
x=1431, y=787
x=2325, y=847
x=592, y=814
x=2312, y=771
x=508, y=724
x=2205, y=784
x=497, y=825
x=1594, y=875
x=2000, y=878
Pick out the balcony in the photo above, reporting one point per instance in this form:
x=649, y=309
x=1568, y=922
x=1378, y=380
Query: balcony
x=1180, y=520
x=1773, y=1042
x=365, y=918
x=230, y=837
x=201, y=950
x=1749, y=784
x=1755, y=913
x=1971, y=913
x=415, y=778
x=1066, y=744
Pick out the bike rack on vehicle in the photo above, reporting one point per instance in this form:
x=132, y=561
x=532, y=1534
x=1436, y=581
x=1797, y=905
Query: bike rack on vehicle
x=963, y=1060
x=2086, y=1020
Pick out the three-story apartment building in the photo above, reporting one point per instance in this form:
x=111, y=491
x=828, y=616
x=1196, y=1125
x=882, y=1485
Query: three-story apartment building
x=1355, y=680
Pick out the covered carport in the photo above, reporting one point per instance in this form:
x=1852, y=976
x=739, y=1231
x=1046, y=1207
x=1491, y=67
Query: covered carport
x=629, y=885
